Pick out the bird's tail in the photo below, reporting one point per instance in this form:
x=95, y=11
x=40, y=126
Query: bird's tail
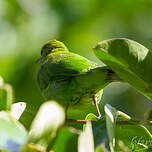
x=111, y=75
x=98, y=78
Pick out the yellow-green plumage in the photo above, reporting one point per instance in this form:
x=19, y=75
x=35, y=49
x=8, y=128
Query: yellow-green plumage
x=69, y=78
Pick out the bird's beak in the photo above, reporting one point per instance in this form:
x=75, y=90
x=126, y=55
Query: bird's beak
x=96, y=47
x=38, y=60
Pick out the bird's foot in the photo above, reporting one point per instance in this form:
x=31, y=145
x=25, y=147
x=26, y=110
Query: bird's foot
x=99, y=117
x=97, y=108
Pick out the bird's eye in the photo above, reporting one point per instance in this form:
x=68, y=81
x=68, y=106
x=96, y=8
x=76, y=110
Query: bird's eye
x=41, y=52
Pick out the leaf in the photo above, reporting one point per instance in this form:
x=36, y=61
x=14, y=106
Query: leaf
x=85, y=141
x=17, y=109
x=130, y=60
x=111, y=115
x=63, y=138
x=44, y=127
x=132, y=138
x=13, y=136
x=129, y=135
x=100, y=135
x=105, y=128
x=123, y=115
x=91, y=116
x=6, y=95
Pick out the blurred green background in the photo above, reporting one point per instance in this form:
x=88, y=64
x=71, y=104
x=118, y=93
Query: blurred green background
x=26, y=25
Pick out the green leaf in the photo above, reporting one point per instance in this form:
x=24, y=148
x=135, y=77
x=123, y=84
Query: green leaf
x=132, y=138
x=100, y=135
x=124, y=133
x=130, y=60
x=124, y=116
x=128, y=133
x=85, y=141
x=111, y=115
x=44, y=127
x=6, y=95
x=12, y=134
x=99, y=132
x=131, y=135
x=64, y=137
x=91, y=116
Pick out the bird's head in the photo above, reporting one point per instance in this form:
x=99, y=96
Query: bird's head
x=51, y=47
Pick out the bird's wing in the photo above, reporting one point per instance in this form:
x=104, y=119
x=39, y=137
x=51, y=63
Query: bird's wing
x=62, y=66
x=68, y=64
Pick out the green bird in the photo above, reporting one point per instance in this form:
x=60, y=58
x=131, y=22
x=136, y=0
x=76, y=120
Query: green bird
x=70, y=79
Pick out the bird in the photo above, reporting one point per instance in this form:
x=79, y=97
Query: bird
x=70, y=79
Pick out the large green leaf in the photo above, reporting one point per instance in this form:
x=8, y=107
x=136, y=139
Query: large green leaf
x=12, y=134
x=130, y=60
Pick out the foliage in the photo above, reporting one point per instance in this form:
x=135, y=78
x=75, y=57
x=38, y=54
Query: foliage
x=130, y=60
x=115, y=131
x=24, y=27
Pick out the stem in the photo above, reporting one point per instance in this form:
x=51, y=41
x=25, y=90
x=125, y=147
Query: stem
x=121, y=122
